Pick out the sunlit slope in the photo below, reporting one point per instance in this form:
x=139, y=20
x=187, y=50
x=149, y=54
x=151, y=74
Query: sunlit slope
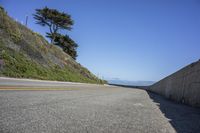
x=27, y=54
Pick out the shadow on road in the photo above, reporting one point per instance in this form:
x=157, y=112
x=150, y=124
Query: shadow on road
x=183, y=118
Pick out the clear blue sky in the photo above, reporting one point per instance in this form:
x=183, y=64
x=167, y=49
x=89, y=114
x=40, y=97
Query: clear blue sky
x=126, y=39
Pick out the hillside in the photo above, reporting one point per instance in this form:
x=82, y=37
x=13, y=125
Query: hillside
x=26, y=54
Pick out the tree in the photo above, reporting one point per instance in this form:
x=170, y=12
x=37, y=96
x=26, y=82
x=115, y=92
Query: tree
x=66, y=43
x=54, y=19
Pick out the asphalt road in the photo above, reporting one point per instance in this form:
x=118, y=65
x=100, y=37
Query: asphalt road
x=93, y=109
x=14, y=82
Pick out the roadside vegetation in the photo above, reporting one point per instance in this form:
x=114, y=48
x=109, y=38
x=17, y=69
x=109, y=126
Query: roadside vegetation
x=26, y=54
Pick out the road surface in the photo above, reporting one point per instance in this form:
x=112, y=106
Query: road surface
x=14, y=82
x=91, y=108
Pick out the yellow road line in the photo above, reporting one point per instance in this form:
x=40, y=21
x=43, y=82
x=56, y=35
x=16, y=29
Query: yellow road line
x=36, y=88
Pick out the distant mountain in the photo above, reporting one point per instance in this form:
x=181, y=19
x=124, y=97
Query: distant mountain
x=131, y=83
